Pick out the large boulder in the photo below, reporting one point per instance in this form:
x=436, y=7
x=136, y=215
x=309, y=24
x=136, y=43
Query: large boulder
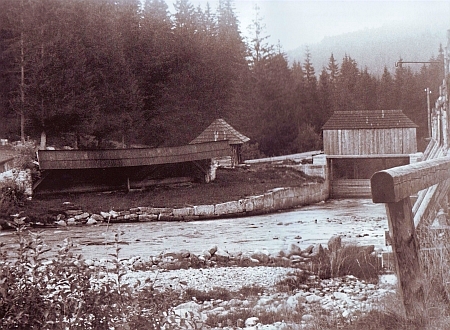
x=294, y=250
x=222, y=255
x=212, y=250
x=246, y=260
x=334, y=243
x=262, y=256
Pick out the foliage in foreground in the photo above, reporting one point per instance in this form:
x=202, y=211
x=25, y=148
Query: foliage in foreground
x=66, y=293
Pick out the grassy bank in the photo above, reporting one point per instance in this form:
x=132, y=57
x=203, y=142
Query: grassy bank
x=229, y=185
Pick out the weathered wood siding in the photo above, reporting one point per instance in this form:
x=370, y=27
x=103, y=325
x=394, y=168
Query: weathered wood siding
x=350, y=188
x=370, y=141
x=90, y=159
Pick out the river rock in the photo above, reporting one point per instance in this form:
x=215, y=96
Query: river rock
x=261, y=256
x=294, y=250
x=175, y=265
x=212, y=250
x=251, y=321
x=97, y=217
x=313, y=298
x=82, y=216
x=105, y=215
x=113, y=214
x=306, y=252
x=184, y=254
x=91, y=221
x=335, y=243
x=71, y=222
x=246, y=260
x=222, y=255
x=206, y=254
x=317, y=251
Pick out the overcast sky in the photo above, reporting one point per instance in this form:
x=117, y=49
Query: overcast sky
x=298, y=22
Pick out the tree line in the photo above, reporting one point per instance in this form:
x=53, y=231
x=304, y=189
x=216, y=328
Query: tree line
x=87, y=72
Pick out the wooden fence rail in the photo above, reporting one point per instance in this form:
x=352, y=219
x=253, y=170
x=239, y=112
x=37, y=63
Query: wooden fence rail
x=394, y=187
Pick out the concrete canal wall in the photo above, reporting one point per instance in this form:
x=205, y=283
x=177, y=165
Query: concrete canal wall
x=272, y=201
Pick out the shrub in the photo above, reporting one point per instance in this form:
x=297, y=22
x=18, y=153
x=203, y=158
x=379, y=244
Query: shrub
x=66, y=293
x=235, y=318
x=250, y=291
x=215, y=294
x=222, y=293
x=293, y=281
x=12, y=197
x=25, y=155
x=357, y=261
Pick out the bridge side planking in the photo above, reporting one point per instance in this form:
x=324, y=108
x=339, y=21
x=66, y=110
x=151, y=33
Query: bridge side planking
x=85, y=159
x=395, y=184
x=394, y=187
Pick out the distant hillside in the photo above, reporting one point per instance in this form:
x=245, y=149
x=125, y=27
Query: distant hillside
x=378, y=47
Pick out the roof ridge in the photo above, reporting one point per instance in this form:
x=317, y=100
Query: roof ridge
x=213, y=133
x=369, y=119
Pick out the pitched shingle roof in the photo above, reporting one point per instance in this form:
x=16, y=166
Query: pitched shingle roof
x=220, y=130
x=368, y=119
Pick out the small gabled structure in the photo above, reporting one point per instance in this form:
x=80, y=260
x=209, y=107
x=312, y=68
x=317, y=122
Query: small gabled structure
x=359, y=143
x=220, y=130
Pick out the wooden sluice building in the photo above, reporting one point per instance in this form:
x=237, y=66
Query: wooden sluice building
x=220, y=130
x=359, y=143
x=124, y=169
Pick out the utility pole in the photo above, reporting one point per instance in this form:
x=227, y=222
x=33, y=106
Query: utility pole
x=428, y=111
x=22, y=77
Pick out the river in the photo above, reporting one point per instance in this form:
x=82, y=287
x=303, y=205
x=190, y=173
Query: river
x=357, y=220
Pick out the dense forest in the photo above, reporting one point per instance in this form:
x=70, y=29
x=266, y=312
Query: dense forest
x=83, y=73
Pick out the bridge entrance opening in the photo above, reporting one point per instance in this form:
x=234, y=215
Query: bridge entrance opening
x=350, y=175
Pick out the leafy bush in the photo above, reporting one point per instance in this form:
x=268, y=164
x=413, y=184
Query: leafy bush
x=67, y=293
x=12, y=197
x=25, y=155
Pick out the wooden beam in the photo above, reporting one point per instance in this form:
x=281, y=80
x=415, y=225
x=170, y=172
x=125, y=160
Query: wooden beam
x=406, y=256
x=393, y=185
x=434, y=200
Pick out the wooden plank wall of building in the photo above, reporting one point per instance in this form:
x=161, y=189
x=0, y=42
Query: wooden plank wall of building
x=350, y=188
x=371, y=141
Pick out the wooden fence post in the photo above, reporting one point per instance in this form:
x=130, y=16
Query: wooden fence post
x=406, y=257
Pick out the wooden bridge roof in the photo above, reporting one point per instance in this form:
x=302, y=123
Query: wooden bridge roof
x=220, y=130
x=89, y=159
x=368, y=119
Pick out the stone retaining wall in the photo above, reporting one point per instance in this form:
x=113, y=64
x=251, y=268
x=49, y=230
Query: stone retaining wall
x=271, y=201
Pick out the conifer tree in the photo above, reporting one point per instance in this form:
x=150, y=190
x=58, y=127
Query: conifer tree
x=386, y=92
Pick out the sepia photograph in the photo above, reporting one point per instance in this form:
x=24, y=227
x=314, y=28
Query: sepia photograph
x=224, y=164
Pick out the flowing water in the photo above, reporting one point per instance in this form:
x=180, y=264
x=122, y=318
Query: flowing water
x=357, y=220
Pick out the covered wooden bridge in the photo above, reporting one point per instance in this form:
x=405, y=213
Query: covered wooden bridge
x=125, y=169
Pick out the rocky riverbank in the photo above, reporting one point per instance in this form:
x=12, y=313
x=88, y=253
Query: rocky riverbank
x=286, y=285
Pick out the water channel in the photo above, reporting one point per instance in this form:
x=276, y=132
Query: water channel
x=357, y=220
